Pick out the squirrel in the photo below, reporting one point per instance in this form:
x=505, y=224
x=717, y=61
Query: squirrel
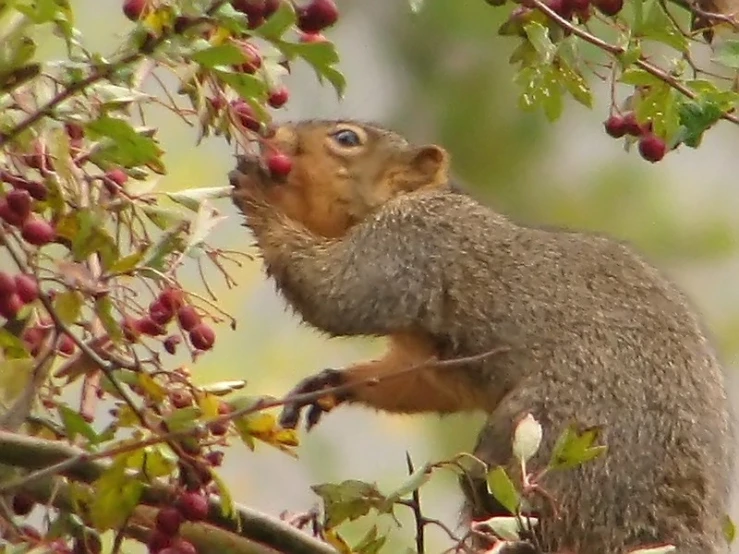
x=367, y=235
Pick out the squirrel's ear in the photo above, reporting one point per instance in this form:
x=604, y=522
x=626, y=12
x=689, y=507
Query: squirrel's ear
x=431, y=163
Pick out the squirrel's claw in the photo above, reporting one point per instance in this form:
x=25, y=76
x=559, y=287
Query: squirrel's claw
x=328, y=378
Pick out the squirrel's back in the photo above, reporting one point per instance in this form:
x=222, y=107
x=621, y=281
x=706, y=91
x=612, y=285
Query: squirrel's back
x=366, y=236
x=593, y=335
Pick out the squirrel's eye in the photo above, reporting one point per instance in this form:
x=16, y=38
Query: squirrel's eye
x=347, y=138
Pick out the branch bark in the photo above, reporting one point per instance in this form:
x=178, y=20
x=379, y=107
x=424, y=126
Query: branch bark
x=263, y=533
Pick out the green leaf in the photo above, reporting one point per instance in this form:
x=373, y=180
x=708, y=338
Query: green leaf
x=205, y=221
x=696, y=118
x=502, y=488
x=75, y=424
x=193, y=198
x=245, y=85
x=15, y=376
x=128, y=148
x=278, y=23
x=574, y=448
x=104, y=310
x=538, y=36
x=727, y=54
x=575, y=84
x=182, y=419
x=226, y=500
x=214, y=56
x=322, y=56
x=68, y=306
x=660, y=27
x=116, y=495
x=39, y=11
x=414, y=481
x=370, y=543
x=170, y=241
x=126, y=264
x=639, y=78
x=630, y=55
x=347, y=501
x=153, y=461
x=12, y=346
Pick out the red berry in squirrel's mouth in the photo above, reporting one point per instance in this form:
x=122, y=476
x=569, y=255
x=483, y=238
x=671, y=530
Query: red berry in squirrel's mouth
x=652, y=148
x=279, y=164
x=317, y=15
x=615, y=126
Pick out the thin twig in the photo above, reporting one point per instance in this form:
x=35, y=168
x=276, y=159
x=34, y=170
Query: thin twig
x=617, y=51
x=415, y=505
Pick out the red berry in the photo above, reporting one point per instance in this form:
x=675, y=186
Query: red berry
x=317, y=15
x=37, y=190
x=279, y=164
x=188, y=318
x=74, y=131
x=23, y=504
x=180, y=399
x=615, y=126
x=308, y=38
x=66, y=345
x=632, y=126
x=652, y=148
x=253, y=59
x=10, y=305
x=220, y=428
x=37, y=232
x=8, y=215
x=19, y=201
x=278, y=97
x=217, y=102
x=160, y=313
x=130, y=329
x=181, y=546
x=148, y=326
x=32, y=338
x=171, y=342
x=118, y=176
x=252, y=9
x=158, y=542
x=245, y=114
x=7, y=284
x=171, y=298
x=134, y=9
x=609, y=7
x=202, y=337
x=169, y=520
x=214, y=458
x=27, y=288
x=193, y=506
x=270, y=7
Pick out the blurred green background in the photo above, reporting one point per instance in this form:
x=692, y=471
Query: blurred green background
x=442, y=76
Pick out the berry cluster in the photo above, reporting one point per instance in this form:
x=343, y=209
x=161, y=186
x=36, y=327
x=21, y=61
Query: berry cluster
x=15, y=292
x=16, y=207
x=189, y=506
x=651, y=147
x=162, y=311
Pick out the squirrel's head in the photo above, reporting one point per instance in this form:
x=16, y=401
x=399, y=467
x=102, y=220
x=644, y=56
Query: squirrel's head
x=343, y=171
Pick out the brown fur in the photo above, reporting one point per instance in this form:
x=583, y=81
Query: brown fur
x=374, y=241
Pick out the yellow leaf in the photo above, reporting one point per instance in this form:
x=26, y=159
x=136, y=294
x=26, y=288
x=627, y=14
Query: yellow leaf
x=155, y=391
x=335, y=540
x=14, y=377
x=209, y=404
x=261, y=424
x=288, y=437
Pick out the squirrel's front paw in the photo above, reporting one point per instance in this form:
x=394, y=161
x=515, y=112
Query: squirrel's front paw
x=328, y=378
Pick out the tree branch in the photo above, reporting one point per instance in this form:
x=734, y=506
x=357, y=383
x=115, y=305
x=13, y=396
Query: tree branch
x=33, y=453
